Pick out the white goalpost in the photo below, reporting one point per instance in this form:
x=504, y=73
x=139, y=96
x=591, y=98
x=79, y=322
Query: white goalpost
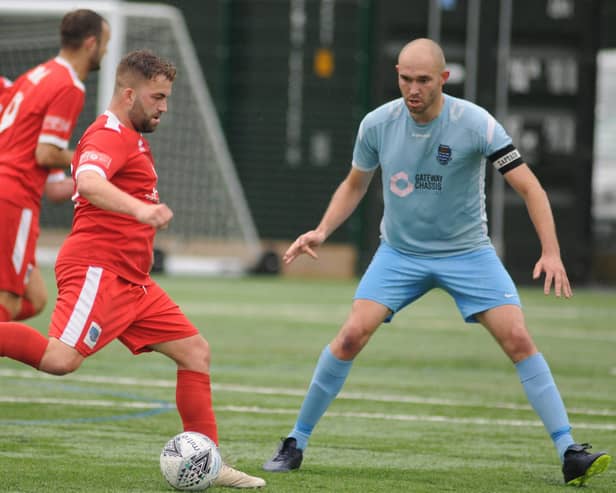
x=212, y=231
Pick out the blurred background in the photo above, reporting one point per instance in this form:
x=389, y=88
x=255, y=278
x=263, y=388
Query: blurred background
x=287, y=82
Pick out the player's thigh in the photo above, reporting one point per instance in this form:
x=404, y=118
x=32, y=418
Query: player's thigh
x=394, y=279
x=93, y=308
x=478, y=281
x=18, y=236
x=158, y=320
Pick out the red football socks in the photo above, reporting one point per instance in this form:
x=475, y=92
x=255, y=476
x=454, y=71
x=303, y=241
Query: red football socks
x=193, y=398
x=22, y=343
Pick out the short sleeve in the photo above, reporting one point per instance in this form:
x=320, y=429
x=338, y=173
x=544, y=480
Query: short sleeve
x=61, y=117
x=103, y=151
x=365, y=152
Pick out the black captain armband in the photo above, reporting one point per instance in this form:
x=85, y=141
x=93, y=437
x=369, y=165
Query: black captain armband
x=506, y=159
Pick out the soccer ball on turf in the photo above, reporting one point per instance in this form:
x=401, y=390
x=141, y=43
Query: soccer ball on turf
x=190, y=461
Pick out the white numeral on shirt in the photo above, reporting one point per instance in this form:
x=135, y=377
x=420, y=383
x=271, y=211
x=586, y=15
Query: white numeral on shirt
x=9, y=115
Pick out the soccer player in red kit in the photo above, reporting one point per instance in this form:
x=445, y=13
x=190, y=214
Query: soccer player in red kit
x=4, y=85
x=40, y=112
x=105, y=291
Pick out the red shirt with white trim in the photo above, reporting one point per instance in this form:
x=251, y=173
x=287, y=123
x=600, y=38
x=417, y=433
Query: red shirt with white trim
x=42, y=105
x=117, y=242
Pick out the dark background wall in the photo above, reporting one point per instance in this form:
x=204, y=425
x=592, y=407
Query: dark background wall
x=290, y=123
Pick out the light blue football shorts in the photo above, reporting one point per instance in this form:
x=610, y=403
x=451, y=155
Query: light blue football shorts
x=477, y=280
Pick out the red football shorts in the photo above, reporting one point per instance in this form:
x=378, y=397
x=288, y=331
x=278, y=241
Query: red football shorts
x=95, y=306
x=19, y=231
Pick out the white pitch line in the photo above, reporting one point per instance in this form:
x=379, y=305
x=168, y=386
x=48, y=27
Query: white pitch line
x=413, y=417
x=85, y=403
x=270, y=411
x=247, y=389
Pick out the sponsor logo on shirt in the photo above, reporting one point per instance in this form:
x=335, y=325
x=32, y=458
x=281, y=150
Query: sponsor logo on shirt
x=95, y=157
x=58, y=124
x=426, y=181
x=400, y=185
x=92, y=335
x=443, y=154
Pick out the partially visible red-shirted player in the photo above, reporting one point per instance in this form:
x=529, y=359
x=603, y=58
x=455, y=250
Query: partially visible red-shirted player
x=105, y=291
x=4, y=85
x=40, y=112
x=57, y=187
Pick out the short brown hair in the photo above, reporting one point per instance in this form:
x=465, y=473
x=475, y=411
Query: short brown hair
x=144, y=65
x=78, y=25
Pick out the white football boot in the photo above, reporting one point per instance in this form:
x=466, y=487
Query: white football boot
x=233, y=478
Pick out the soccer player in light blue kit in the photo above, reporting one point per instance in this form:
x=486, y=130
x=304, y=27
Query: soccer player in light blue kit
x=430, y=148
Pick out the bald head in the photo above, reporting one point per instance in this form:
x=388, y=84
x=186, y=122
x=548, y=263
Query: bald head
x=424, y=50
x=421, y=75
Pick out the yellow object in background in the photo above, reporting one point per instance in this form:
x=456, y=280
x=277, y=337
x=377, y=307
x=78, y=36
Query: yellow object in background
x=324, y=63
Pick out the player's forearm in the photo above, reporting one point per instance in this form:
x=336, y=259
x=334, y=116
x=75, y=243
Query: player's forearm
x=59, y=191
x=540, y=213
x=343, y=203
x=50, y=156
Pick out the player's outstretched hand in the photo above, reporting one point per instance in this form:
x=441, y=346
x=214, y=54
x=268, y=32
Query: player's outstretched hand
x=305, y=243
x=555, y=273
x=156, y=215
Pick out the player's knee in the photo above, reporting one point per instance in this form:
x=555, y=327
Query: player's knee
x=519, y=344
x=60, y=359
x=59, y=366
x=195, y=355
x=352, y=339
x=203, y=352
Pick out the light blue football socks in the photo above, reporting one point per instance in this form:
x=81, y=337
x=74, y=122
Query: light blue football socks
x=535, y=375
x=543, y=395
x=328, y=378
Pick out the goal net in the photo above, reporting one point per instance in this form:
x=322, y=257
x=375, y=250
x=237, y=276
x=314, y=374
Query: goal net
x=212, y=230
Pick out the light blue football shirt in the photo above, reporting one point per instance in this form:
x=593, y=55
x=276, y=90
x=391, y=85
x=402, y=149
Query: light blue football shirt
x=433, y=174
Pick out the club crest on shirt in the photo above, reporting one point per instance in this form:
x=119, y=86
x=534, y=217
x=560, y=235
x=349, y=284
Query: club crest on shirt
x=92, y=335
x=443, y=154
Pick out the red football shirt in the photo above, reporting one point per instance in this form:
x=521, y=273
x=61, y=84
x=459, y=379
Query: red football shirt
x=42, y=105
x=114, y=241
x=4, y=85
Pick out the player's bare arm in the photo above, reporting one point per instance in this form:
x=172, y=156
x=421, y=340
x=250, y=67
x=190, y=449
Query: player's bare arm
x=103, y=194
x=344, y=201
x=59, y=187
x=525, y=183
x=59, y=191
x=50, y=156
